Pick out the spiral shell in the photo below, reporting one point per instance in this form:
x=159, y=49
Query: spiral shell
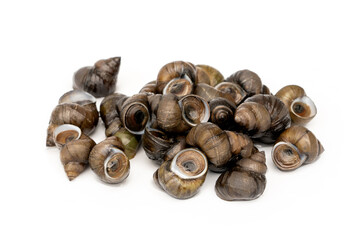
x=222, y=112
x=99, y=80
x=134, y=113
x=109, y=162
x=263, y=117
x=159, y=147
x=75, y=149
x=183, y=176
x=296, y=146
x=208, y=92
x=209, y=75
x=108, y=107
x=176, y=78
x=194, y=109
x=245, y=180
x=149, y=88
x=236, y=92
x=218, y=145
x=302, y=109
x=247, y=80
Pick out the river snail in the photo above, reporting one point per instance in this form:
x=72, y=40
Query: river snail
x=77, y=108
x=219, y=145
x=160, y=147
x=222, y=112
x=296, y=146
x=134, y=113
x=302, y=109
x=178, y=115
x=149, y=88
x=100, y=79
x=75, y=149
x=208, y=92
x=245, y=180
x=182, y=176
x=236, y=92
x=109, y=162
x=177, y=78
x=209, y=75
x=263, y=117
x=247, y=80
x=108, y=108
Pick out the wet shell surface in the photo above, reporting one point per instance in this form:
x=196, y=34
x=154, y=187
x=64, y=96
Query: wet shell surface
x=296, y=146
x=302, y=109
x=183, y=176
x=109, y=162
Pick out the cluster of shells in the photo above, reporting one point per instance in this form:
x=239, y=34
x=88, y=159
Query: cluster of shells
x=189, y=120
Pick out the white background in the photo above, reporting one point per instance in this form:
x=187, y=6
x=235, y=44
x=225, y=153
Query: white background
x=314, y=44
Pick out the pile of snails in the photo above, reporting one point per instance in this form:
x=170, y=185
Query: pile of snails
x=189, y=120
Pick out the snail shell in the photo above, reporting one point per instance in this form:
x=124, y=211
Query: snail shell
x=108, y=107
x=159, y=147
x=208, y=92
x=209, y=75
x=294, y=147
x=71, y=113
x=177, y=116
x=134, y=113
x=99, y=80
x=265, y=119
x=218, y=145
x=237, y=93
x=75, y=149
x=302, y=109
x=176, y=78
x=247, y=80
x=109, y=162
x=222, y=112
x=245, y=180
x=183, y=176
x=149, y=88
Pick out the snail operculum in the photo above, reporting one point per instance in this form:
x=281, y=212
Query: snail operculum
x=194, y=109
x=66, y=133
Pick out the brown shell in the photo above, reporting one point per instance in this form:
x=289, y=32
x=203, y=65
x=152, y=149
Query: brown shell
x=172, y=71
x=108, y=160
x=236, y=92
x=182, y=176
x=168, y=113
x=219, y=145
x=99, y=80
x=159, y=147
x=245, y=180
x=248, y=80
x=279, y=114
x=134, y=113
x=71, y=113
x=208, y=92
x=296, y=146
x=222, y=112
x=302, y=109
x=209, y=75
x=149, y=88
x=74, y=155
x=108, y=107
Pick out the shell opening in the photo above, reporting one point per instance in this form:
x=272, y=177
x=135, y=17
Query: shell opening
x=194, y=110
x=303, y=107
x=115, y=164
x=77, y=96
x=66, y=133
x=287, y=156
x=189, y=163
x=137, y=118
x=234, y=90
x=179, y=86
